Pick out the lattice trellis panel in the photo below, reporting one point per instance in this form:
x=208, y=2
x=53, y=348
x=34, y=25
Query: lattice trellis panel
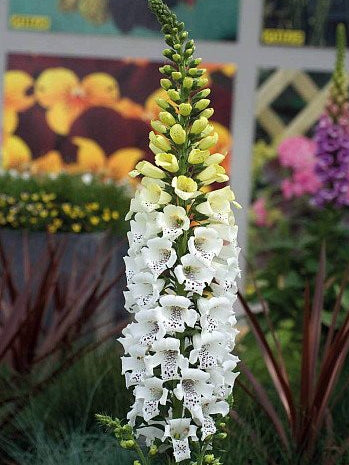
x=273, y=87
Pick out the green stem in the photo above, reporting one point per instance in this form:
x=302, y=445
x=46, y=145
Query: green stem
x=143, y=458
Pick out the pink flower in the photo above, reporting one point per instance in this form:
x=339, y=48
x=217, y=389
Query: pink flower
x=260, y=212
x=297, y=152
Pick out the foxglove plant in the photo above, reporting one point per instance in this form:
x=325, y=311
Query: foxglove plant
x=332, y=137
x=181, y=267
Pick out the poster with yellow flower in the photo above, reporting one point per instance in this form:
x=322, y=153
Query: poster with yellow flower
x=82, y=115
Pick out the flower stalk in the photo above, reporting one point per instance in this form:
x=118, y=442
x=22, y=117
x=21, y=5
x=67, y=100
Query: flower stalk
x=181, y=268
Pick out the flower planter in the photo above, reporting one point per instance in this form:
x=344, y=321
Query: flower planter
x=79, y=251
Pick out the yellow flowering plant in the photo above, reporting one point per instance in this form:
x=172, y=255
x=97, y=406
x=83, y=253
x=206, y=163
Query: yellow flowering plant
x=62, y=204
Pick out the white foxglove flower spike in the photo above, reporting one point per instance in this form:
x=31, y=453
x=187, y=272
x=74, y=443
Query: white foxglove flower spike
x=181, y=269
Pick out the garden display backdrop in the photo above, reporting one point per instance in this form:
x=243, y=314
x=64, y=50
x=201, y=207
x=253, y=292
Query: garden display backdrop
x=80, y=95
x=94, y=115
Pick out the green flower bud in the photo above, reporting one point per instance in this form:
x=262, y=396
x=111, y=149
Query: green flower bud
x=166, y=84
x=185, y=109
x=184, y=35
x=197, y=157
x=123, y=444
x=177, y=46
x=168, y=161
x=178, y=134
x=137, y=462
x=174, y=95
x=188, y=82
x=162, y=103
x=208, y=142
x=202, y=104
x=221, y=436
x=176, y=57
x=189, y=44
x=188, y=53
x=195, y=62
x=202, y=82
x=193, y=72
x=159, y=127
x=153, y=451
x=167, y=53
x=176, y=75
x=167, y=118
x=209, y=458
x=202, y=94
x=130, y=444
x=221, y=425
x=199, y=125
x=207, y=131
x=167, y=69
x=207, y=113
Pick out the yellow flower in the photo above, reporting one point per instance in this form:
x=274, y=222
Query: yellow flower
x=76, y=227
x=106, y=216
x=35, y=197
x=33, y=220
x=54, y=213
x=60, y=91
x=24, y=196
x=51, y=228
x=115, y=215
x=94, y=220
x=44, y=214
x=66, y=207
x=213, y=173
x=16, y=153
x=57, y=222
x=121, y=162
x=16, y=98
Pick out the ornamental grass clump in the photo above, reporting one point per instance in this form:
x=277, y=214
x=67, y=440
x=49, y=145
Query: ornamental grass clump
x=181, y=267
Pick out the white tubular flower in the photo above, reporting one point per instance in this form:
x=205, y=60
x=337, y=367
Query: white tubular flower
x=194, y=274
x=205, y=244
x=177, y=313
x=150, y=434
x=142, y=336
x=192, y=388
x=180, y=431
x=168, y=356
x=143, y=227
x=217, y=206
x=185, y=188
x=216, y=313
x=144, y=292
x=134, y=369
x=152, y=393
x=148, y=197
x=209, y=349
x=159, y=255
x=211, y=406
x=223, y=377
x=173, y=221
x=226, y=274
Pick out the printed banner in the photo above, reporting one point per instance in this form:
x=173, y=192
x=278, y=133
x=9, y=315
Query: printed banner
x=91, y=115
x=205, y=19
x=299, y=22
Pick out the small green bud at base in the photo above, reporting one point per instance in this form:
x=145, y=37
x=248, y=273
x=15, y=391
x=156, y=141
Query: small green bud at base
x=185, y=109
x=137, y=462
x=202, y=82
x=167, y=53
x=153, y=451
x=176, y=57
x=202, y=94
x=209, y=458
